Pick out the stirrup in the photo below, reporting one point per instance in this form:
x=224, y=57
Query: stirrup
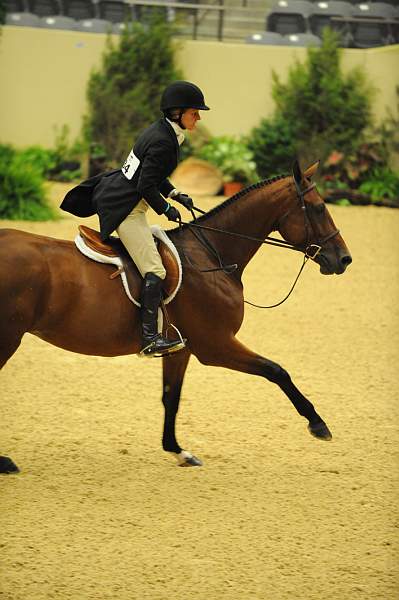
x=146, y=351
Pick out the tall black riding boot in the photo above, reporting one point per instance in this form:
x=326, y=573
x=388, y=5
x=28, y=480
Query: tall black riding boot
x=154, y=342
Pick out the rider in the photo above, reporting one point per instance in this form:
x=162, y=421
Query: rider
x=122, y=198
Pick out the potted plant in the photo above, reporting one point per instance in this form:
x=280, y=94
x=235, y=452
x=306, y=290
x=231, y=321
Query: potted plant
x=233, y=158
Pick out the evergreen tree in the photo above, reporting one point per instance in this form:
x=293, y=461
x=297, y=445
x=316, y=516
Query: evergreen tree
x=319, y=108
x=124, y=94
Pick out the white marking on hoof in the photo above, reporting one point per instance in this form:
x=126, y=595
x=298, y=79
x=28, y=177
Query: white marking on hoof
x=186, y=459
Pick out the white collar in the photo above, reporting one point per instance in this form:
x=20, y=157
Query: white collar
x=178, y=131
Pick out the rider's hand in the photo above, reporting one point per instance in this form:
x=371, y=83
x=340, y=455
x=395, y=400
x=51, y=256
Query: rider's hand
x=185, y=200
x=172, y=213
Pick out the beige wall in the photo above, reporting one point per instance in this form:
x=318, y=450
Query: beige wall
x=43, y=75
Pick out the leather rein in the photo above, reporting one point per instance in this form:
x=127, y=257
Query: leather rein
x=310, y=250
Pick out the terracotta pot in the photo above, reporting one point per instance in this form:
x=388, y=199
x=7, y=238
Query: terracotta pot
x=232, y=187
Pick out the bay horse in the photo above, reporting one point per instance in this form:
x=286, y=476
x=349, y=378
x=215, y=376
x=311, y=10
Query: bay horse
x=49, y=289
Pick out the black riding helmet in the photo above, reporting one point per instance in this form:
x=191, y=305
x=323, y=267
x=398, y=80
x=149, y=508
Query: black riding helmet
x=183, y=94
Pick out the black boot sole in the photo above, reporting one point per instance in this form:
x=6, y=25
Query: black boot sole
x=147, y=352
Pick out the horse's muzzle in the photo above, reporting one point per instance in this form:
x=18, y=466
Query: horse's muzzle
x=333, y=263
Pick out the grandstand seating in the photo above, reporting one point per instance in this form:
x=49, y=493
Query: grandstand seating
x=44, y=8
x=361, y=25
x=94, y=25
x=22, y=19
x=14, y=6
x=270, y=38
x=78, y=9
x=301, y=39
x=321, y=17
x=379, y=31
x=114, y=11
x=289, y=16
x=58, y=22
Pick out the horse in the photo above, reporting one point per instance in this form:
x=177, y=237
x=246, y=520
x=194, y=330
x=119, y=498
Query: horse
x=51, y=290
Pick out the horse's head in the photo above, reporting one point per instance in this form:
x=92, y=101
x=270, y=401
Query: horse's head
x=308, y=224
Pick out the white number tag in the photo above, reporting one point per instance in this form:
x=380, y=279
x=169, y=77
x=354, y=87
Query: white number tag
x=130, y=165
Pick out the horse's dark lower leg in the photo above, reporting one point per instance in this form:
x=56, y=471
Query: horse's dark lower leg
x=8, y=346
x=174, y=368
x=239, y=358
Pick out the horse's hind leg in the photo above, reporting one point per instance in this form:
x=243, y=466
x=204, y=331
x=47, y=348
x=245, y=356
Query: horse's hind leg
x=239, y=358
x=9, y=343
x=174, y=368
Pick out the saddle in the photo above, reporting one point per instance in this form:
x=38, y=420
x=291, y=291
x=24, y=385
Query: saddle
x=114, y=252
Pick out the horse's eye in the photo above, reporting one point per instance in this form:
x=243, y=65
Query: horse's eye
x=319, y=208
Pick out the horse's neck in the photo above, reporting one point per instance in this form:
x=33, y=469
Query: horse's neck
x=254, y=214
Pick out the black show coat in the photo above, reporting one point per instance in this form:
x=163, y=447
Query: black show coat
x=113, y=196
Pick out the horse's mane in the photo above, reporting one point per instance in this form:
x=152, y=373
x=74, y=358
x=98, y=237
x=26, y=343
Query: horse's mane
x=236, y=197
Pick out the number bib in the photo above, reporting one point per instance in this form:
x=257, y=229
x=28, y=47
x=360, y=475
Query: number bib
x=130, y=165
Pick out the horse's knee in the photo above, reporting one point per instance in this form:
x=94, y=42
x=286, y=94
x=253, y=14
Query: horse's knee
x=275, y=373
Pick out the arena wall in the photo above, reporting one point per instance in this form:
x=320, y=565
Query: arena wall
x=44, y=74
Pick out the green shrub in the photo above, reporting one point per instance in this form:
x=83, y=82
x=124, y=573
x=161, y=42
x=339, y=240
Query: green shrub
x=124, y=94
x=38, y=158
x=22, y=194
x=381, y=183
x=7, y=152
x=273, y=144
x=67, y=157
x=318, y=109
x=232, y=157
x=327, y=108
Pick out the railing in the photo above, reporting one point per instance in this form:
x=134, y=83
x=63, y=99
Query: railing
x=195, y=8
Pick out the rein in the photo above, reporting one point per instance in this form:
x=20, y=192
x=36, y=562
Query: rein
x=310, y=250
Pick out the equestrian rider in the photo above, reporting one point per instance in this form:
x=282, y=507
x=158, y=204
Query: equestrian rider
x=122, y=197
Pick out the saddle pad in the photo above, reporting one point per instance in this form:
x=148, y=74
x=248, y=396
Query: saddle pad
x=115, y=260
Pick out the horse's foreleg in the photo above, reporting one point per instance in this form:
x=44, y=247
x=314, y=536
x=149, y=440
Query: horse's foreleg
x=174, y=368
x=239, y=358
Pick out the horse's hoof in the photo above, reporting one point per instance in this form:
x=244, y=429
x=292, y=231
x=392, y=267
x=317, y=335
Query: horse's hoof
x=7, y=466
x=320, y=431
x=185, y=459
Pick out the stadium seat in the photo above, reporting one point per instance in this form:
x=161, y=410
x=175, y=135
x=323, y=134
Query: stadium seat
x=14, y=6
x=94, y=26
x=270, y=38
x=375, y=10
x=289, y=16
x=321, y=18
x=23, y=19
x=378, y=32
x=114, y=11
x=58, y=22
x=44, y=8
x=78, y=9
x=301, y=39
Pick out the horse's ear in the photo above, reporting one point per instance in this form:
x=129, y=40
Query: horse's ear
x=296, y=170
x=310, y=171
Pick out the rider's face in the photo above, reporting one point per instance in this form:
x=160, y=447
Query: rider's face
x=190, y=118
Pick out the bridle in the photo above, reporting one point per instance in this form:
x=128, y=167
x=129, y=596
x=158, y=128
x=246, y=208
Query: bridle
x=309, y=249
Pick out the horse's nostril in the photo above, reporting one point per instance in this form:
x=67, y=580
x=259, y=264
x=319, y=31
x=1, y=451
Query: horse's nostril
x=346, y=260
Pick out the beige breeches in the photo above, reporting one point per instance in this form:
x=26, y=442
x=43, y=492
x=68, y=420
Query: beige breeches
x=137, y=238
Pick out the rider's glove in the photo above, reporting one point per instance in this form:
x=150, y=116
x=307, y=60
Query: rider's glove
x=172, y=213
x=183, y=199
